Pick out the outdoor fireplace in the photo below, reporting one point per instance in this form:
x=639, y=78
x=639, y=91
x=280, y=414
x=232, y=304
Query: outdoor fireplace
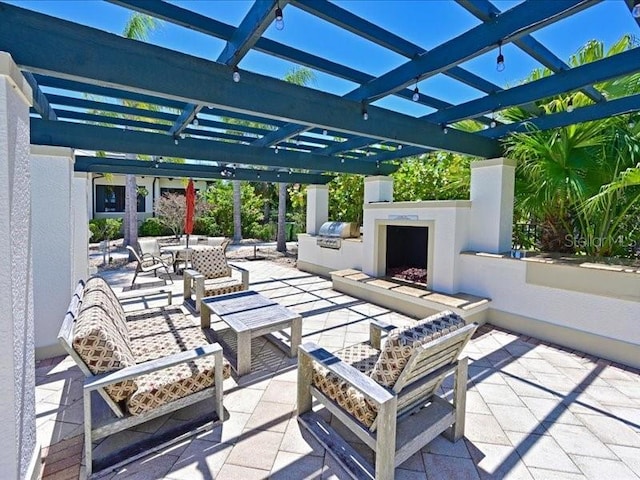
x=407, y=252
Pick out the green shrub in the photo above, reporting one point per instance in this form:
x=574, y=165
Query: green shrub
x=206, y=226
x=105, y=229
x=263, y=232
x=153, y=227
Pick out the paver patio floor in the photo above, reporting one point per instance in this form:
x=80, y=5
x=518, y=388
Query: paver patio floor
x=534, y=411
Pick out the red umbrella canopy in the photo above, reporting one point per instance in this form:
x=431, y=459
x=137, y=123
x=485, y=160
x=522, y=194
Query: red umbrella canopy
x=191, y=208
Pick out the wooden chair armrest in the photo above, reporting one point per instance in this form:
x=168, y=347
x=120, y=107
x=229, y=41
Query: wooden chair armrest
x=244, y=272
x=105, y=379
x=376, y=327
x=188, y=272
x=354, y=377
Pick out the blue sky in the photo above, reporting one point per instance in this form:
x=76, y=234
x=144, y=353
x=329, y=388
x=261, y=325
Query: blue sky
x=424, y=22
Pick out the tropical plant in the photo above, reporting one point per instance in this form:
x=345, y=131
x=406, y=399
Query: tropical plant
x=579, y=182
x=138, y=27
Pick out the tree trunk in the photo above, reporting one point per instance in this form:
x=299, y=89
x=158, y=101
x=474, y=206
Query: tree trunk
x=131, y=212
x=237, y=204
x=282, y=217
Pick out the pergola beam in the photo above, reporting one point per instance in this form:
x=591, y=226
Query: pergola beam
x=92, y=137
x=612, y=108
x=253, y=25
x=348, y=21
x=520, y=20
x=40, y=101
x=88, y=54
x=91, y=89
x=168, y=169
x=485, y=11
x=588, y=74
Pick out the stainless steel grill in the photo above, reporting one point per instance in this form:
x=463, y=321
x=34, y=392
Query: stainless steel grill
x=331, y=233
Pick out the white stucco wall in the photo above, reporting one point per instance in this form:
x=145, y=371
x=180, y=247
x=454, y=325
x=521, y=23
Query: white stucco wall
x=18, y=446
x=348, y=256
x=80, y=205
x=52, y=243
x=504, y=280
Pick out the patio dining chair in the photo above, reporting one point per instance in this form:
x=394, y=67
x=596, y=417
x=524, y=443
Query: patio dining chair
x=151, y=247
x=148, y=263
x=387, y=396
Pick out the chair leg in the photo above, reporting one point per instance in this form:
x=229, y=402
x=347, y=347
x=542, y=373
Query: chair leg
x=456, y=431
x=386, y=440
x=135, y=275
x=88, y=444
x=305, y=373
x=168, y=274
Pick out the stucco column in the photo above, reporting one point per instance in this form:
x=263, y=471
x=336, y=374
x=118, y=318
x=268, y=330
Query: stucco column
x=81, y=209
x=492, y=192
x=317, y=207
x=52, y=240
x=19, y=451
x=378, y=189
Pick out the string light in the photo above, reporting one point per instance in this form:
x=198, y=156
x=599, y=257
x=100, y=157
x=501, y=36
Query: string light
x=416, y=92
x=493, y=120
x=570, y=105
x=500, y=59
x=445, y=129
x=277, y=149
x=236, y=74
x=365, y=114
x=279, y=18
x=195, y=121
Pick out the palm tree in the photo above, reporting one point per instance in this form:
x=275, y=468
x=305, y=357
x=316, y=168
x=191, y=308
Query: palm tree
x=299, y=76
x=137, y=27
x=578, y=181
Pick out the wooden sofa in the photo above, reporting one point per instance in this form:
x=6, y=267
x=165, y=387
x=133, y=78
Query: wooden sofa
x=387, y=395
x=144, y=364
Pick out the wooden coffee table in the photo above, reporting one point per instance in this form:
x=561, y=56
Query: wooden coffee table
x=251, y=315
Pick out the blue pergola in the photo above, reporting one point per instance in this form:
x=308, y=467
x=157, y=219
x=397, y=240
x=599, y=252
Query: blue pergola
x=98, y=91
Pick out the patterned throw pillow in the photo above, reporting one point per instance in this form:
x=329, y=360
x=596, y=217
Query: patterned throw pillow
x=210, y=262
x=401, y=342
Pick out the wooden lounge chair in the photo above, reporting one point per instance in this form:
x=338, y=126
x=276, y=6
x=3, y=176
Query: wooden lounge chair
x=148, y=263
x=387, y=396
x=211, y=275
x=144, y=364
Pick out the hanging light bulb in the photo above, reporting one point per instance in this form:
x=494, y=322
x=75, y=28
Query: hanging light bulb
x=400, y=147
x=365, y=114
x=279, y=18
x=175, y=141
x=416, y=93
x=325, y=132
x=195, y=121
x=500, y=59
x=277, y=149
x=570, y=105
x=632, y=124
x=236, y=74
x=636, y=9
x=258, y=175
x=493, y=121
x=445, y=129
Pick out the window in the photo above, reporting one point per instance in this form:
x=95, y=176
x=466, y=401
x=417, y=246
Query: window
x=110, y=199
x=176, y=191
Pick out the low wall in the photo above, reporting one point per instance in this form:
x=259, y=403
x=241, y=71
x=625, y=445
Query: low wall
x=542, y=300
x=321, y=261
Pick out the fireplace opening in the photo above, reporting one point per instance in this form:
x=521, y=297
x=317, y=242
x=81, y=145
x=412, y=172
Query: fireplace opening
x=407, y=253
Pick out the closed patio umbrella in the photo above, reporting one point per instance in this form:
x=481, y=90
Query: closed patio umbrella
x=191, y=209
